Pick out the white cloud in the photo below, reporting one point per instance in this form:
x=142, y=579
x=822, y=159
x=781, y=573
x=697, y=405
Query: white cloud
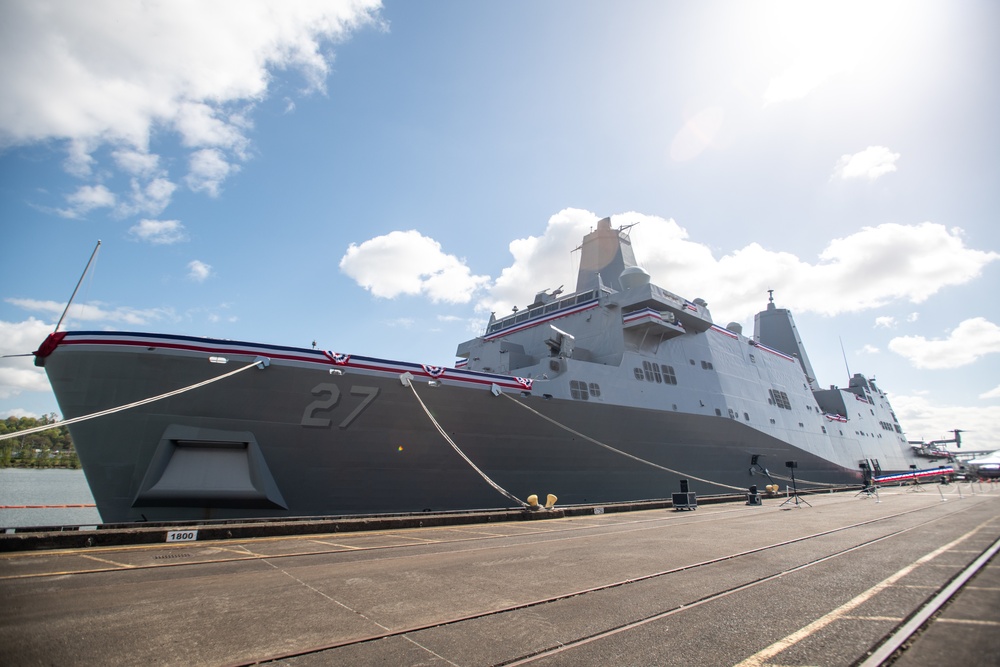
x=87, y=198
x=541, y=262
x=885, y=322
x=150, y=198
x=94, y=311
x=159, y=232
x=410, y=263
x=868, y=269
x=19, y=412
x=200, y=124
x=869, y=349
x=208, y=168
x=199, y=271
x=78, y=160
x=925, y=419
x=970, y=340
x=108, y=73
x=992, y=393
x=137, y=163
x=19, y=374
x=870, y=163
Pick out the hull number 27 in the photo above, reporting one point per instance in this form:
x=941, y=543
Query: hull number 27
x=327, y=396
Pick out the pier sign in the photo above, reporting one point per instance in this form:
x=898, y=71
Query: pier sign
x=182, y=535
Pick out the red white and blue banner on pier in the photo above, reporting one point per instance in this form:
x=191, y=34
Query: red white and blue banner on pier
x=915, y=474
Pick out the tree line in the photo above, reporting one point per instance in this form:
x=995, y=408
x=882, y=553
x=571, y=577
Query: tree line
x=52, y=448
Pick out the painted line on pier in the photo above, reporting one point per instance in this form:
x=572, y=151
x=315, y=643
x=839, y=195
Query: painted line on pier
x=759, y=659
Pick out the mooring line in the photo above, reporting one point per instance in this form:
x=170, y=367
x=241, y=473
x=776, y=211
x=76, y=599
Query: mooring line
x=66, y=422
x=618, y=451
x=458, y=450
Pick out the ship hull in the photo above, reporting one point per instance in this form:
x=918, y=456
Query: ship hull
x=295, y=439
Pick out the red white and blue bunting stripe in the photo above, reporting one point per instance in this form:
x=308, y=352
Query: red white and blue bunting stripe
x=224, y=348
x=579, y=308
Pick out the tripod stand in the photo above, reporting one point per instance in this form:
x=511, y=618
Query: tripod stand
x=792, y=465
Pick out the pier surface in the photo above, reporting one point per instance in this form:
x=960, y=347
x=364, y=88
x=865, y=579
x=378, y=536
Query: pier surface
x=726, y=584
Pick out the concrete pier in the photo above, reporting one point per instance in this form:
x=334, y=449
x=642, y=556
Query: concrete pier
x=821, y=583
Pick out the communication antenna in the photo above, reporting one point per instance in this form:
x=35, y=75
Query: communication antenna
x=78, y=283
x=845, y=356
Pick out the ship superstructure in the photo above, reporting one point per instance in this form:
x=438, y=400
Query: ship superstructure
x=621, y=340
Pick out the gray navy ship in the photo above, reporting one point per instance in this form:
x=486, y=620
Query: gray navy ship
x=614, y=392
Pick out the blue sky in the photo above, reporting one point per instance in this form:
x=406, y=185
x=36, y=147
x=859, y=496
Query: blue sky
x=380, y=177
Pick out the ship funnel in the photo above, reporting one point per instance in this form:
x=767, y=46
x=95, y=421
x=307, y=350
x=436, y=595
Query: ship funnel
x=606, y=252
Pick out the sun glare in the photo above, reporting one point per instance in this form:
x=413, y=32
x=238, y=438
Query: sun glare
x=811, y=42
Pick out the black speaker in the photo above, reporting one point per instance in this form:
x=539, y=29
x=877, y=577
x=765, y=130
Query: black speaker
x=753, y=459
x=753, y=490
x=684, y=486
x=684, y=501
x=791, y=464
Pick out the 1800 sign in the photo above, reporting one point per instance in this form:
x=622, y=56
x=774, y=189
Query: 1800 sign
x=327, y=397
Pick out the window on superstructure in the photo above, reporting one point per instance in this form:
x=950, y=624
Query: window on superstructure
x=707, y=365
x=669, y=376
x=638, y=373
x=595, y=389
x=656, y=373
x=753, y=360
x=746, y=416
x=718, y=412
x=779, y=398
x=578, y=390
x=652, y=371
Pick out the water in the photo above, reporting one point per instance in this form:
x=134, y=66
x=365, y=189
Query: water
x=26, y=486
